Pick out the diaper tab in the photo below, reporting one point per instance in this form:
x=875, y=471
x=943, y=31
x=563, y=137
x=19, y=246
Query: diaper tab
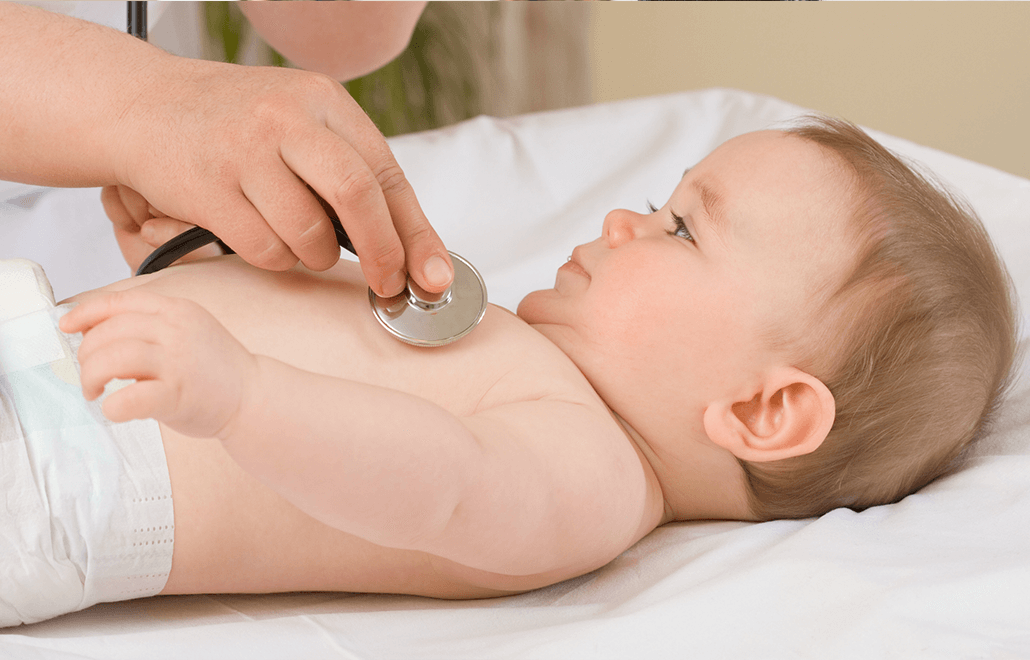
x=27, y=336
x=25, y=288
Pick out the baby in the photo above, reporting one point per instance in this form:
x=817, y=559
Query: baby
x=806, y=324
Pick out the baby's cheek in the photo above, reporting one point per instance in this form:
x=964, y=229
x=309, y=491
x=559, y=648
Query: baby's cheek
x=629, y=316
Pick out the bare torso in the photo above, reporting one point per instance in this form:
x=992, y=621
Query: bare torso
x=233, y=534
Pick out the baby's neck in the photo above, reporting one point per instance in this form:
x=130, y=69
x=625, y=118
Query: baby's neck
x=702, y=483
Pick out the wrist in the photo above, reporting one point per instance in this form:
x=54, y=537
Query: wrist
x=152, y=78
x=251, y=375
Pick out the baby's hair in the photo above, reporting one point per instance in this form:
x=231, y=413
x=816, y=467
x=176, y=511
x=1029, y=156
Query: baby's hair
x=923, y=336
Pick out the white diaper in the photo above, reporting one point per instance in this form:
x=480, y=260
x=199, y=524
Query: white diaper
x=85, y=504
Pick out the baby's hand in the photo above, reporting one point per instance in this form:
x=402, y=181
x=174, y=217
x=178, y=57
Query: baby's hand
x=190, y=373
x=140, y=229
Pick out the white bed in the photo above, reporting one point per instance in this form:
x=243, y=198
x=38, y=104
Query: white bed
x=943, y=574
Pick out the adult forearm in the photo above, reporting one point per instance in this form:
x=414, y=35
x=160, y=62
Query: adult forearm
x=65, y=86
x=378, y=463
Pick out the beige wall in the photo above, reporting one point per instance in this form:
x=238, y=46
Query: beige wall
x=955, y=76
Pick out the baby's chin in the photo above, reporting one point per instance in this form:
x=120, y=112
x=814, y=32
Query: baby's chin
x=529, y=308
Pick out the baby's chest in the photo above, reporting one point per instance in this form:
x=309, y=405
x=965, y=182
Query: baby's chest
x=321, y=322
x=502, y=361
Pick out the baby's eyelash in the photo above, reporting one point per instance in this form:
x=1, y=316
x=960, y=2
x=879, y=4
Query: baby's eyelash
x=681, y=228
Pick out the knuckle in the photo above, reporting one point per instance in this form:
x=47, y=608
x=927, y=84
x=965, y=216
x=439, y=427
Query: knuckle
x=386, y=256
x=419, y=234
x=316, y=245
x=276, y=106
x=320, y=85
x=273, y=256
x=264, y=122
x=112, y=301
x=391, y=179
x=314, y=233
x=356, y=189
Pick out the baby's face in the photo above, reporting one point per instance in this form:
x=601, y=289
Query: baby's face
x=662, y=316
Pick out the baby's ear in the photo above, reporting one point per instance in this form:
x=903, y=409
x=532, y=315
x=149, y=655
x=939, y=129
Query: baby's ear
x=789, y=414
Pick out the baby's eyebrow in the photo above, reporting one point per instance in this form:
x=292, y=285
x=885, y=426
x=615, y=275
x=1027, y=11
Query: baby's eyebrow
x=713, y=203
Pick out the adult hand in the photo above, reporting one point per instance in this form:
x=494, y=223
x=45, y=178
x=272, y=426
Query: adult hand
x=230, y=148
x=140, y=229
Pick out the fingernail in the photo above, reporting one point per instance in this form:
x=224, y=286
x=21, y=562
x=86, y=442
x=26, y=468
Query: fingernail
x=395, y=283
x=437, y=272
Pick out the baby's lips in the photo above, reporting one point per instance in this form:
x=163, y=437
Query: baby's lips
x=578, y=256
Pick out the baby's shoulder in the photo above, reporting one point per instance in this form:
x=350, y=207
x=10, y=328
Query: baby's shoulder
x=527, y=366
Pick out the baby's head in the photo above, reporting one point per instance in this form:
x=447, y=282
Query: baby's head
x=916, y=343
x=806, y=324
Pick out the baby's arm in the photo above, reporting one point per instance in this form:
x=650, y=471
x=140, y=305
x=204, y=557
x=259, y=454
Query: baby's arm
x=520, y=489
x=524, y=488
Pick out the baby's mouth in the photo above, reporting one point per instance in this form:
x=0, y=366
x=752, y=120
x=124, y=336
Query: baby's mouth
x=573, y=265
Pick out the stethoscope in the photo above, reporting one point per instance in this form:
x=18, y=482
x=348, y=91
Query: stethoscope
x=414, y=317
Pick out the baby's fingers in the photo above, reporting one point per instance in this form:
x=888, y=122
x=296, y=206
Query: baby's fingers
x=141, y=400
x=128, y=359
x=96, y=309
x=143, y=327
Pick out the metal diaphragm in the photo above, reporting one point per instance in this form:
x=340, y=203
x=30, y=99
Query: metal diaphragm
x=423, y=319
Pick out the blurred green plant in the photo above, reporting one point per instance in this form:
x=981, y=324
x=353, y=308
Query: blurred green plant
x=432, y=83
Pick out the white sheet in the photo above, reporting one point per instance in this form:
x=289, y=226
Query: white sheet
x=943, y=574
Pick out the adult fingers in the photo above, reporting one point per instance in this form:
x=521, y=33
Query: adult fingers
x=158, y=231
x=341, y=177
x=292, y=212
x=245, y=230
x=427, y=259
x=125, y=207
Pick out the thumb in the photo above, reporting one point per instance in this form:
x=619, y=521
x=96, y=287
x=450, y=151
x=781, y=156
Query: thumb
x=158, y=231
x=125, y=207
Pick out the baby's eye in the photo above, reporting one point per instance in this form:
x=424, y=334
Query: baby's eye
x=681, y=228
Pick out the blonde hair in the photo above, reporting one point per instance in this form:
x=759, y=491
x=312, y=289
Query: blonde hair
x=923, y=336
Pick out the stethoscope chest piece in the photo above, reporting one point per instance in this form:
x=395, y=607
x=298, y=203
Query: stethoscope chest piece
x=422, y=319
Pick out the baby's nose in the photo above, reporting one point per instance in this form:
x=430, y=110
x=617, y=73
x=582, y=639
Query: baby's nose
x=620, y=226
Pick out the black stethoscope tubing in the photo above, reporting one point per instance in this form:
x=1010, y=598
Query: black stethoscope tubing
x=197, y=237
